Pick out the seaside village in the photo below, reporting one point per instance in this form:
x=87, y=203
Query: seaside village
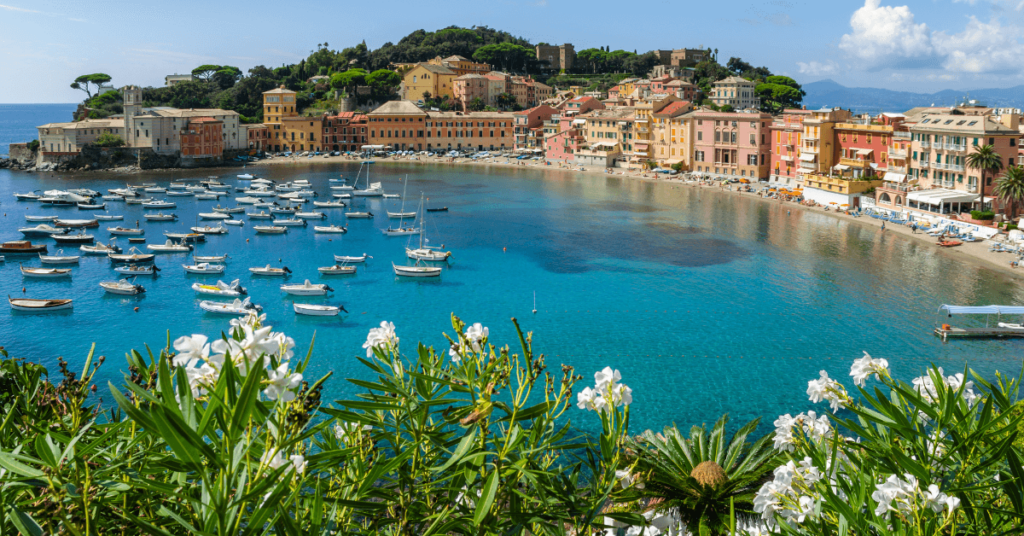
x=902, y=166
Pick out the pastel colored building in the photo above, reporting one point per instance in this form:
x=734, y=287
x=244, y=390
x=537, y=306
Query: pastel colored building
x=201, y=138
x=460, y=65
x=643, y=117
x=258, y=136
x=609, y=135
x=345, y=132
x=481, y=131
x=399, y=125
x=862, y=145
x=58, y=139
x=672, y=138
x=529, y=127
x=299, y=134
x=278, y=103
x=817, y=151
x=468, y=87
x=731, y=144
x=427, y=79
x=785, y=135
x=736, y=92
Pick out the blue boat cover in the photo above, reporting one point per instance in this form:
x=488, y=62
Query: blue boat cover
x=983, y=309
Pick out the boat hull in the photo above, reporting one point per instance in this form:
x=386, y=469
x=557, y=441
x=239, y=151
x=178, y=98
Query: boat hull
x=39, y=306
x=316, y=311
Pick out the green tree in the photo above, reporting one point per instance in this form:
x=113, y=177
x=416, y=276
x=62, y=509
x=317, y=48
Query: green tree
x=348, y=80
x=226, y=76
x=987, y=160
x=205, y=72
x=703, y=475
x=189, y=95
x=1010, y=189
x=476, y=105
x=383, y=82
x=506, y=56
x=109, y=140
x=97, y=79
x=505, y=101
x=778, y=93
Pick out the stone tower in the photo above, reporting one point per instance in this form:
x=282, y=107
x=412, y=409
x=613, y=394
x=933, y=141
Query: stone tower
x=132, y=107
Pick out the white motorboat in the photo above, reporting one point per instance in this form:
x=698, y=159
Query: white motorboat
x=400, y=231
x=99, y=248
x=392, y=196
x=159, y=204
x=245, y=176
x=351, y=260
x=196, y=189
x=416, y=271
x=179, y=193
x=214, y=216
x=228, y=210
x=62, y=198
x=401, y=215
x=359, y=215
x=123, y=287
x=209, y=230
x=210, y=258
x=270, y=271
x=372, y=189
x=169, y=247
x=247, y=200
x=260, y=192
x=27, y=197
x=239, y=223
x=342, y=188
x=155, y=190
x=267, y=204
x=133, y=255
x=177, y=186
x=137, y=200
x=219, y=187
x=208, y=196
x=80, y=237
x=160, y=216
x=42, y=230
x=283, y=210
x=59, y=258
x=125, y=192
x=341, y=196
x=125, y=231
x=46, y=273
x=77, y=224
x=425, y=252
x=187, y=238
x=329, y=204
x=307, y=289
x=237, y=307
x=337, y=269
x=89, y=206
x=85, y=192
x=108, y=217
x=232, y=290
x=261, y=215
x=134, y=269
x=40, y=218
x=330, y=229
x=269, y=229
x=261, y=183
x=112, y=197
x=35, y=306
x=310, y=309
x=203, y=268
x=312, y=215
x=290, y=222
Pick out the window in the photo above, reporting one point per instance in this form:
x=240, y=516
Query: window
x=700, y=135
x=753, y=138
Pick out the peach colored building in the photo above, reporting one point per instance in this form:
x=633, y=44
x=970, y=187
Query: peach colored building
x=345, y=132
x=785, y=134
x=731, y=144
x=529, y=127
x=202, y=138
x=468, y=87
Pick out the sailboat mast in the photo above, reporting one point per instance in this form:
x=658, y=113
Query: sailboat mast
x=423, y=224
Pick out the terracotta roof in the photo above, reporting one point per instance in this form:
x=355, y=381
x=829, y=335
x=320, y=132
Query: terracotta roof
x=470, y=76
x=455, y=58
x=673, y=108
x=204, y=120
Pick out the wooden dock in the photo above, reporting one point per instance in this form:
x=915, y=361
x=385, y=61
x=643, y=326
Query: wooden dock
x=977, y=333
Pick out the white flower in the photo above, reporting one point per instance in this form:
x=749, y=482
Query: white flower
x=380, y=337
x=201, y=379
x=895, y=490
x=455, y=353
x=624, y=477
x=273, y=460
x=190, y=350
x=281, y=385
x=589, y=399
x=926, y=387
x=865, y=367
x=784, y=433
x=298, y=463
x=825, y=388
x=276, y=460
x=621, y=395
x=344, y=430
x=807, y=508
x=605, y=378
x=476, y=334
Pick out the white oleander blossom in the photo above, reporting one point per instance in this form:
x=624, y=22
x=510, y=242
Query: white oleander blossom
x=791, y=494
x=895, y=494
x=455, y=353
x=380, y=338
x=825, y=388
x=938, y=501
x=814, y=427
x=190, y=350
x=626, y=478
x=345, y=430
x=866, y=367
x=475, y=335
x=925, y=386
x=607, y=393
x=281, y=384
x=275, y=460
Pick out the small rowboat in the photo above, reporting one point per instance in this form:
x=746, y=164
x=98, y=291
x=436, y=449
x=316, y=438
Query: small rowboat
x=226, y=210
x=269, y=271
x=160, y=216
x=77, y=223
x=125, y=231
x=203, y=268
x=77, y=238
x=209, y=258
x=342, y=188
x=307, y=289
x=213, y=216
x=247, y=200
x=246, y=177
x=30, y=305
x=169, y=247
x=313, y=215
x=342, y=196
x=209, y=230
x=208, y=196
x=290, y=222
x=40, y=218
x=283, y=210
x=329, y=204
x=337, y=269
x=155, y=190
x=133, y=255
x=179, y=193
x=108, y=217
x=351, y=260
x=309, y=309
x=236, y=307
x=159, y=204
x=188, y=238
x=238, y=223
x=17, y=247
x=232, y=290
x=136, y=270
x=401, y=214
x=87, y=206
x=442, y=209
x=122, y=287
x=269, y=229
x=361, y=215
x=949, y=243
x=137, y=200
x=47, y=273
x=112, y=197
x=42, y=230
x=416, y=271
x=27, y=197
x=265, y=205
x=335, y=229
x=261, y=215
x=99, y=248
x=59, y=258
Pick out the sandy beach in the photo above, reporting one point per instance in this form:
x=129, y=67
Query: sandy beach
x=975, y=252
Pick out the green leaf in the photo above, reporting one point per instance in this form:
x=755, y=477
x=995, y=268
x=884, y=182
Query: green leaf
x=10, y=462
x=486, y=498
x=24, y=523
x=460, y=451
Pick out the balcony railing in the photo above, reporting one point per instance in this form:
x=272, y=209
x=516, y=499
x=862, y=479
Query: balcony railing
x=953, y=147
x=811, y=137
x=898, y=169
x=972, y=189
x=787, y=158
x=954, y=167
x=853, y=162
x=901, y=135
x=808, y=165
x=897, y=153
x=925, y=144
x=922, y=164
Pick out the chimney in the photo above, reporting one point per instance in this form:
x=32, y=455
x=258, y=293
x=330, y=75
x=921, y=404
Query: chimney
x=1010, y=120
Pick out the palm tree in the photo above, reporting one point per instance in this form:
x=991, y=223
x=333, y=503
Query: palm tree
x=703, y=475
x=1010, y=188
x=987, y=160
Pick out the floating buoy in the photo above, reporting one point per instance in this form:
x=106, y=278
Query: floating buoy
x=136, y=309
x=246, y=240
x=22, y=290
x=504, y=249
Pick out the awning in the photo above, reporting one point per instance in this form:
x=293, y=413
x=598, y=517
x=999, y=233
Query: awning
x=983, y=310
x=806, y=157
x=939, y=196
x=639, y=144
x=895, y=177
x=579, y=121
x=673, y=161
x=841, y=167
x=604, y=144
x=864, y=152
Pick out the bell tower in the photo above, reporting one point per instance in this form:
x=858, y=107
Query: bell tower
x=132, y=107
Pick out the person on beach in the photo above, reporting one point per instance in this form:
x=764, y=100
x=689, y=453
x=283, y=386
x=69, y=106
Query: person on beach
x=883, y=225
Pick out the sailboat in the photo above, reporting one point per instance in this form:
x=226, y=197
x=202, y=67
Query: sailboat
x=402, y=213
x=374, y=189
x=425, y=252
x=402, y=230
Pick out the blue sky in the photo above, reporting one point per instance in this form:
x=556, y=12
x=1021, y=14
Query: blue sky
x=921, y=45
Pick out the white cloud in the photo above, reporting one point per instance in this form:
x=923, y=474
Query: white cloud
x=881, y=34
x=980, y=48
x=1016, y=5
x=817, y=68
x=21, y=9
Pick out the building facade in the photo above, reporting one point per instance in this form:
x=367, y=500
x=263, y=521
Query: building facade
x=736, y=92
x=345, y=132
x=258, y=136
x=201, y=138
x=529, y=127
x=672, y=136
x=427, y=79
x=731, y=144
x=817, y=150
x=785, y=134
x=468, y=87
x=687, y=57
x=401, y=125
x=558, y=57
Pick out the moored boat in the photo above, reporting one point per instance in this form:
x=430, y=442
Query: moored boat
x=122, y=287
x=359, y=215
x=213, y=216
x=33, y=305
x=337, y=269
x=108, y=217
x=160, y=216
x=238, y=223
x=329, y=204
x=134, y=269
x=133, y=255
x=126, y=231
x=310, y=309
x=330, y=229
x=230, y=290
x=46, y=273
x=31, y=196
x=270, y=271
x=311, y=215
x=77, y=224
x=170, y=247
x=59, y=258
x=228, y=210
x=203, y=268
x=307, y=289
x=261, y=215
x=209, y=230
x=41, y=218
x=416, y=271
x=210, y=258
x=237, y=307
x=42, y=230
x=351, y=259
x=89, y=206
x=99, y=248
x=159, y=204
x=80, y=237
x=290, y=222
x=18, y=247
x=269, y=229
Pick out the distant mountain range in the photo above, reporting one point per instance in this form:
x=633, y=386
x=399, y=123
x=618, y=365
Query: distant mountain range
x=875, y=100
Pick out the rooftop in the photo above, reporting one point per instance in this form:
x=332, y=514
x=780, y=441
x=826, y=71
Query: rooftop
x=399, y=107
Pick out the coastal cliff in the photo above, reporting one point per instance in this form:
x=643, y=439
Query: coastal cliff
x=92, y=157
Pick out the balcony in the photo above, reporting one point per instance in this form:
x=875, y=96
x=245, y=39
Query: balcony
x=787, y=157
x=921, y=164
x=953, y=147
x=955, y=167
x=839, y=184
x=972, y=189
x=811, y=137
x=901, y=135
x=897, y=169
x=925, y=144
x=642, y=130
x=808, y=165
x=855, y=162
x=897, y=153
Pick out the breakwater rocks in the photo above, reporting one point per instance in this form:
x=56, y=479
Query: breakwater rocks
x=120, y=159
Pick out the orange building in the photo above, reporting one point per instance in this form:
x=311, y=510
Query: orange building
x=202, y=138
x=345, y=132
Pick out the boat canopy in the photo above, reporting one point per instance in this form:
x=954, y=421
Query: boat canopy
x=983, y=310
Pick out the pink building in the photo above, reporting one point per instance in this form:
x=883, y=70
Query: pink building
x=784, y=135
x=658, y=85
x=731, y=144
x=563, y=133
x=529, y=127
x=468, y=87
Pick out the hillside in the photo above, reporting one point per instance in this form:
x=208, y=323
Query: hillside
x=874, y=100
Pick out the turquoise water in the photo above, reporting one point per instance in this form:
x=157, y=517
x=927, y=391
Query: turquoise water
x=18, y=122
x=707, y=303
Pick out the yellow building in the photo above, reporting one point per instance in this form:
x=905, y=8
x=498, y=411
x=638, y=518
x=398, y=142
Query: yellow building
x=461, y=65
x=644, y=114
x=278, y=103
x=299, y=134
x=671, y=136
x=437, y=80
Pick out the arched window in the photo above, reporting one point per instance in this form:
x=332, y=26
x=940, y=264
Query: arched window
x=884, y=198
